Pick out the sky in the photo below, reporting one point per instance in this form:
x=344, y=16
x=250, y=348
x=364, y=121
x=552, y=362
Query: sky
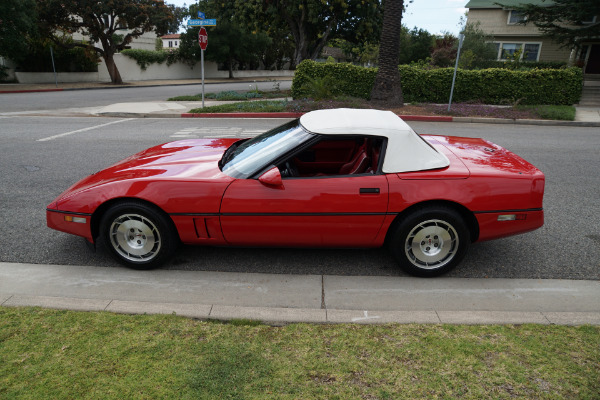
x=435, y=16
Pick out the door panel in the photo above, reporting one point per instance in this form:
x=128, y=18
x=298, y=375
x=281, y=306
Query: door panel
x=328, y=211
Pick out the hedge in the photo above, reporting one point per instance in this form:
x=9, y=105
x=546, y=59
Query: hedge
x=489, y=86
x=146, y=57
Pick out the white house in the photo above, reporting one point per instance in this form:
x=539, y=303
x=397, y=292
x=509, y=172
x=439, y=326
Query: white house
x=171, y=41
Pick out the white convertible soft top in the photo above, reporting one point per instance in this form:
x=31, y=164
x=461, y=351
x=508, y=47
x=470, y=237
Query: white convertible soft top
x=406, y=151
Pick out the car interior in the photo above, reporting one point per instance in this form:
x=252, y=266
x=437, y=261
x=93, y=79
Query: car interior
x=347, y=155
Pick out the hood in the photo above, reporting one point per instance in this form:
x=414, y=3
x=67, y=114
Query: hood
x=183, y=160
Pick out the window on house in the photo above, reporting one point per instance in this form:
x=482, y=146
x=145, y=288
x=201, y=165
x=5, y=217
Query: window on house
x=508, y=50
x=170, y=43
x=176, y=43
x=529, y=51
x=516, y=17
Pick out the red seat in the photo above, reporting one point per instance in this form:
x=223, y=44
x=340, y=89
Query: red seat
x=358, y=164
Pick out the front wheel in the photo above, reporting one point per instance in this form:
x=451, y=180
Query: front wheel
x=430, y=241
x=138, y=235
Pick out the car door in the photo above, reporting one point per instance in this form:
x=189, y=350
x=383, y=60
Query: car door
x=305, y=211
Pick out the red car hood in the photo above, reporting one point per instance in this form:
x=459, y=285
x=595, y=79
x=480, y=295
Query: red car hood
x=189, y=160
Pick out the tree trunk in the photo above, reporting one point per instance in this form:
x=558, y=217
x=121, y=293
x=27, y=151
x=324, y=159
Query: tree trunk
x=113, y=71
x=230, y=65
x=387, y=87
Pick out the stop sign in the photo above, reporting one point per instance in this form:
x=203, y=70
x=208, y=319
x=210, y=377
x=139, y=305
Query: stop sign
x=203, y=38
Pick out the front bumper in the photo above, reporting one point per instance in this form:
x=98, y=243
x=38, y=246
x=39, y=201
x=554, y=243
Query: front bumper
x=74, y=223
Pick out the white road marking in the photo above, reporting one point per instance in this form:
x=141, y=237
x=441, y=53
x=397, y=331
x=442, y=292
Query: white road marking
x=82, y=130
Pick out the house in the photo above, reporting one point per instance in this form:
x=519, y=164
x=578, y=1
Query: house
x=513, y=38
x=171, y=41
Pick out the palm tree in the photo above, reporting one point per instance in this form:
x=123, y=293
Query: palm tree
x=387, y=86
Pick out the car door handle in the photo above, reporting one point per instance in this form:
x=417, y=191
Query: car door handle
x=369, y=190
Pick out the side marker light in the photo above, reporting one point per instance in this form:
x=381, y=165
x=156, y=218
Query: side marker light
x=78, y=220
x=512, y=217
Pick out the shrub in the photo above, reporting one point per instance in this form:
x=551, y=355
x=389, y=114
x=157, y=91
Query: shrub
x=490, y=86
x=346, y=79
x=76, y=59
x=146, y=57
x=518, y=65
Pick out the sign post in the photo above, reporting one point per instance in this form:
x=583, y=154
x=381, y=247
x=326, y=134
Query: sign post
x=461, y=37
x=203, y=41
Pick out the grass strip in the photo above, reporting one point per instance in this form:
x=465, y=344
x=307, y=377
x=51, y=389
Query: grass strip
x=66, y=354
x=563, y=113
x=235, y=96
x=250, y=106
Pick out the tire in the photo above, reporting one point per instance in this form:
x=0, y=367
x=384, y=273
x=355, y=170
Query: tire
x=138, y=235
x=430, y=241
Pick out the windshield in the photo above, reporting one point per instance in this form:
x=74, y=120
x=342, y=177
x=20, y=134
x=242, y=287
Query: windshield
x=253, y=154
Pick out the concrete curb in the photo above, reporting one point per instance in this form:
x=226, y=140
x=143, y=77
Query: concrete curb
x=244, y=115
x=276, y=316
x=421, y=118
x=33, y=91
x=288, y=298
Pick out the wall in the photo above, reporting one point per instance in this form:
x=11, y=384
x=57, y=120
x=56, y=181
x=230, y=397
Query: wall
x=495, y=22
x=61, y=77
x=131, y=71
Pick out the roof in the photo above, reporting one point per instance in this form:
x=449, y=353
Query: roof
x=171, y=36
x=506, y=4
x=406, y=151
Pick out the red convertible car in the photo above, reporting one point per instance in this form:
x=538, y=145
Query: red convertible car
x=335, y=178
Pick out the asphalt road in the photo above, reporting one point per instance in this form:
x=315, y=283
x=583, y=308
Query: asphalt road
x=42, y=156
x=17, y=102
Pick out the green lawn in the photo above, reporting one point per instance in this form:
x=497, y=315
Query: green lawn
x=250, y=106
x=235, y=96
x=48, y=354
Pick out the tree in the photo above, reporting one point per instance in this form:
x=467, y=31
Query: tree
x=17, y=26
x=387, y=86
x=102, y=22
x=415, y=45
x=179, y=14
x=230, y=43
x=312, y=23
x=477, y=46
x=565, y=21
x=444, y=50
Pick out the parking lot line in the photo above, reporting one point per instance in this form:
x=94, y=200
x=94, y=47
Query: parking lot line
x=82, y=130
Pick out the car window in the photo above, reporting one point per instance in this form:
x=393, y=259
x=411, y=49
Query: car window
x=253, y=154
x=336, y=156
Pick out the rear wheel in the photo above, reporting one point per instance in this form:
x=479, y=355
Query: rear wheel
x=138, y=235
x=430, y=241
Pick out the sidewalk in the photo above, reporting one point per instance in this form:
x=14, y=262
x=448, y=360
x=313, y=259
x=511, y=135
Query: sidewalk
x=275, y=298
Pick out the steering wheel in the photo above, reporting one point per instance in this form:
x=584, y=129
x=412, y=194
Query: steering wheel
x=290, y=169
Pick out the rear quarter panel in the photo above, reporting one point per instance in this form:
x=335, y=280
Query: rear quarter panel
x=498, y=182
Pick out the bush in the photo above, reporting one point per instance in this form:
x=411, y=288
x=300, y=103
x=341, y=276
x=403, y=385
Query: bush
x=518, y=65
x=147, y=57
x=75, y=59
x=489, y=86
x=345, y=79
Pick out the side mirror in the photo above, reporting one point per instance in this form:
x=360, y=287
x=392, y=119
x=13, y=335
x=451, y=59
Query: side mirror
x=271, y=178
